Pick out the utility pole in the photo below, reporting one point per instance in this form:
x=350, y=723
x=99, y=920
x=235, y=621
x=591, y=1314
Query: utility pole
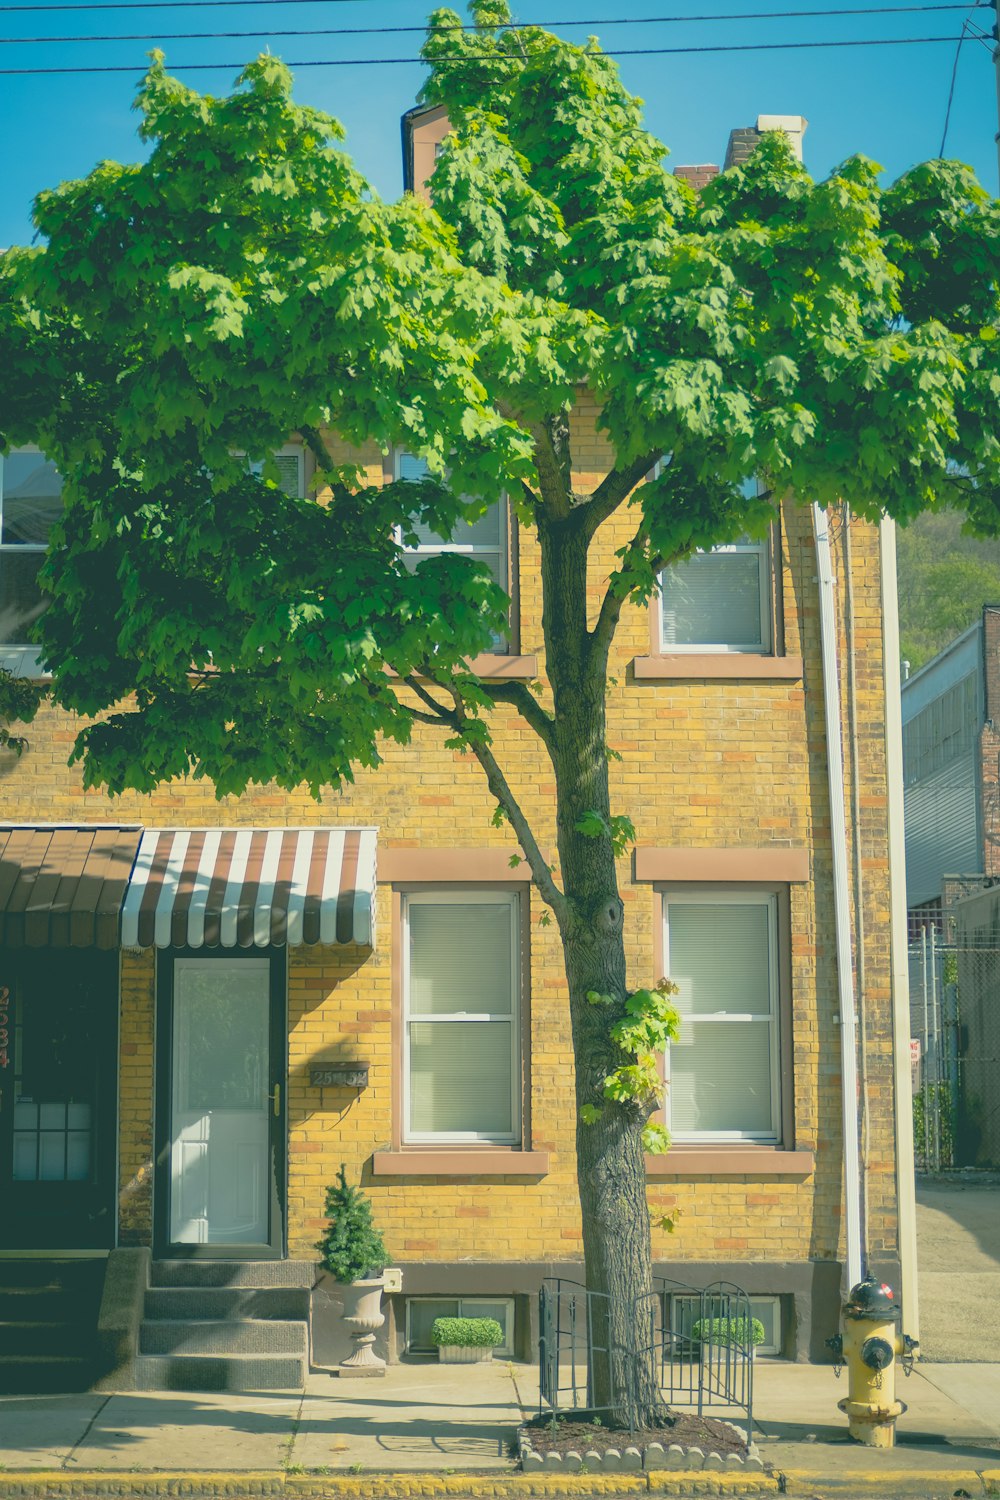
x=996, y=66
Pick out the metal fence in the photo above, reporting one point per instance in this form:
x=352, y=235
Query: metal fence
x=955, y=1049
x=698, y=1341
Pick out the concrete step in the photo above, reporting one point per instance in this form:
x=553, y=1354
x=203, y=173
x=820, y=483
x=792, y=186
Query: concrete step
x=214, y=1372
x=41, y=1303
x=67, y=1337
x=233, y=1273
x=249, y=1336
x=40, y=1374
x=227, y=1302
x=74, y=1273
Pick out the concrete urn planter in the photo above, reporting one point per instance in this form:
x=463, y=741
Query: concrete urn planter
x=461, y=1354
x=364, y=1317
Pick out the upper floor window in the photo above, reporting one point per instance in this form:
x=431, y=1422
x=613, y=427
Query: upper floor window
x=290, y=463
x=486, y=539
x=30, y=502
x=718, y=600
x=721, y=949
x=461, y=1005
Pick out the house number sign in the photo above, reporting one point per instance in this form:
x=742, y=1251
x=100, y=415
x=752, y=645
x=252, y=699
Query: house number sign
x=4, y=1026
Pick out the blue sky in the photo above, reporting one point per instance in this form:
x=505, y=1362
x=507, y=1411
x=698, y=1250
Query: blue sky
x=888, y=102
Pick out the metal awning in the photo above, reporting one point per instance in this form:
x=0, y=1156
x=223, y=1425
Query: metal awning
x=63, y=887
x=251, y=887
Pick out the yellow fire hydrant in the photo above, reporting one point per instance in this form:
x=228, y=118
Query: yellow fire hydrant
x=870, y=1346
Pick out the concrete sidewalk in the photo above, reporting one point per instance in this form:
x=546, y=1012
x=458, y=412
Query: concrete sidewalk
x=448, y=1430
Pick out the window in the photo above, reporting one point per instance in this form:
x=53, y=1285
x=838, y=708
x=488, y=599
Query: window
x=30, y=501
x=485, y=539
x=685, y=1310
x=290, y=463
x=461, y=1001
x=421, y=1312
x=722, y=1072
x=718, y=600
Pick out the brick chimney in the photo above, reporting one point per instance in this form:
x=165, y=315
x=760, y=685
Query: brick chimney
x=697, y=177
x=743, y=142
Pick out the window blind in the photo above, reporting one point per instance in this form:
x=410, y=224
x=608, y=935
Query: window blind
x=461, y=985
x=722, y=1066
x=718, y=599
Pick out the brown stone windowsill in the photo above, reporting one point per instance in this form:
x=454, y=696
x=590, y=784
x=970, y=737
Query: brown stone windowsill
x=491, y=664
x=731, y=1161
x=495, y=1161
x=734, y=666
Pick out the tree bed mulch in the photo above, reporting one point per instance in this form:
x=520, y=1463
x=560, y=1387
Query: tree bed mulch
x=688, y=1442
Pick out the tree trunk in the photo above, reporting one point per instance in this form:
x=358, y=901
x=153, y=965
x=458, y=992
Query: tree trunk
x=610, y=1159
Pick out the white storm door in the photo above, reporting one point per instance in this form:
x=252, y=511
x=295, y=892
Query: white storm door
x=219, y=1107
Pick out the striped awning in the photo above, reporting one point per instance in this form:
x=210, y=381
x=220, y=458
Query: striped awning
x=63, y=887
x=248, y=888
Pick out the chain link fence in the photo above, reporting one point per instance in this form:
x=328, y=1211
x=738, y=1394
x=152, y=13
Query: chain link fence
x=955, y=1041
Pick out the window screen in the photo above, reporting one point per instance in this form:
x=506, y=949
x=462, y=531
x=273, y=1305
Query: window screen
x=461, y=976
x=722, y=1069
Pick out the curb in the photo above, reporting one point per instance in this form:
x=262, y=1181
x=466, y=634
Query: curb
x=205, y=1485
x=202, y=1484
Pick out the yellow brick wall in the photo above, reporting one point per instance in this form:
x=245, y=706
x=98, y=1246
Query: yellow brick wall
x=706, y=764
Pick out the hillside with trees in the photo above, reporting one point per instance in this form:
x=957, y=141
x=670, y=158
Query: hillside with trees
x=945, y=578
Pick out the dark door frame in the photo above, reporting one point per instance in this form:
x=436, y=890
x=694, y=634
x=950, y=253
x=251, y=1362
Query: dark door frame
x=276, y=1246
x=63, y=1214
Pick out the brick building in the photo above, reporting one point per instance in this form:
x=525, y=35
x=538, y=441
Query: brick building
x=214, y=1004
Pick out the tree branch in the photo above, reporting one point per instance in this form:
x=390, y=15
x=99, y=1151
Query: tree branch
x=617, y=592
x=439, y=714
x=540, y=872
x=313, y=439
x=613, y=489
x=500, y=788
x=553, y=469
x=520, y=696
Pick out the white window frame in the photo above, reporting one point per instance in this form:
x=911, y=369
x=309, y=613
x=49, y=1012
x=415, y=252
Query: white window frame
x=506, y=1348
x=713, y=897
x=459, y=896
x=764, y=646
x=502, y=551
x=19, y=549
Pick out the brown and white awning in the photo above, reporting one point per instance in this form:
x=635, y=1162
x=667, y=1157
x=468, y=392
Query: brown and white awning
x=251, y=887
x=62, y=887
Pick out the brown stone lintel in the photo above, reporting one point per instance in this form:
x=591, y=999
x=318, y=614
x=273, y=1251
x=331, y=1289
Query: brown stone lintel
x=495, y=1161
x=732, y=665
x=731, y=1161
x=774, y=862
x=491, y=664
x=451, y=866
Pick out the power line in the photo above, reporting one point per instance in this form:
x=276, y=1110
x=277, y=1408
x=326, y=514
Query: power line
x=966, y=31
x=376, y=62
x=200, y=36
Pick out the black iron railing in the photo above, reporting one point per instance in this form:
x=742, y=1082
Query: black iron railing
x=698, y=1340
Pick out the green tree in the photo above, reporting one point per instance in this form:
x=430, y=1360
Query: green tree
x=946, y=575
x=242, y=284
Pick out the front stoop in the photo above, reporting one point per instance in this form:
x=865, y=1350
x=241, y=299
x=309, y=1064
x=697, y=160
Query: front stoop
x=48, y=1320
x=216, y=1325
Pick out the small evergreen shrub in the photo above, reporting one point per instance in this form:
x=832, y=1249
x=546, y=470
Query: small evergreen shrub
x=467, y=1333
x=732, y=1333
x=352, y=1248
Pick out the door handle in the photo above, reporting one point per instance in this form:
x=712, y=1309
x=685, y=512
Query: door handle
x=275, y=1099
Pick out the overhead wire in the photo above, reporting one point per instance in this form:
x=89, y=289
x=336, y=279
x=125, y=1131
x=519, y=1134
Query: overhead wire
x=472, y=29
x=965, y=32
x=467, y=57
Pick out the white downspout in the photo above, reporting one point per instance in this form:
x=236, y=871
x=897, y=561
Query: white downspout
x=906, y=1207
x=841, y=897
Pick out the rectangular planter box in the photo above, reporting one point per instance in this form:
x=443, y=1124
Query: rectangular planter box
x=458, y=1354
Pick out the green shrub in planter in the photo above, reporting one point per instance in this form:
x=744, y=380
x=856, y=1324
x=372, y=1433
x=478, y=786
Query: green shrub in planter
x=728, y=1333
x=352, y=1248
x=467, y=1333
